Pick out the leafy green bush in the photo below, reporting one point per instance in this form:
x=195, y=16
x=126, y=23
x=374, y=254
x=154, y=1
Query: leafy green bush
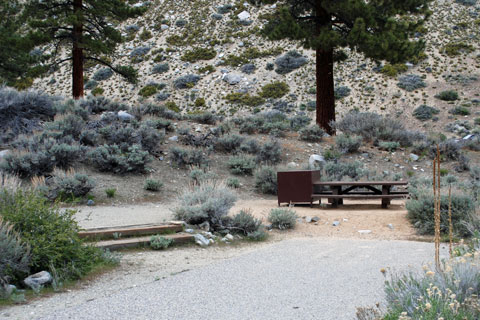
x=51, y=233
x=420, y=212
x=259, y=235
x=241, y=165
x=282, y=219
x=160, y=243
x=425, y=112
x=244, y=222
x=183, y=157
x=110, y=192
x=198, y=54
x=453, y=49
x=152, y=185
x=393, y=70
x=15, y=255
x=348, y=144
x=111, y=159
x=266, y=180
x=233, y=183
x=148, y=90
x=274, y=90
x=448, y=95
x=245, y=99
x=312, y=133
x=209, y=201
x=460, y=110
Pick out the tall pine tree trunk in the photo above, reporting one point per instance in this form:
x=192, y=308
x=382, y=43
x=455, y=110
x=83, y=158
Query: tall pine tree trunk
x=77, y=55
x=324, y=74
x=325, y=90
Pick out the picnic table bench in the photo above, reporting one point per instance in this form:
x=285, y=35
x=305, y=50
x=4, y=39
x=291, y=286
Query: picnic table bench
x=305, y=186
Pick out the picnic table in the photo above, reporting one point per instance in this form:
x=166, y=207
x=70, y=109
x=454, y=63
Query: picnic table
x=339, y=190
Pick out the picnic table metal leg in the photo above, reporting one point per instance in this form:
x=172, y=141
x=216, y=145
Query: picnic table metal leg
x=385, y=201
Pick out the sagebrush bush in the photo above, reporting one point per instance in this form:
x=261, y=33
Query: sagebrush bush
x=411, y=82
x=204, y=118
x=152, y=185
x=67, y=125
x=15, y=255
x=372, y=126
x=69, y=185
x=299, y=122
x=160, y=68
x=348, y=144
x=447, y=95
x=229, y=143
x=103, y=74
x=282, y=219
x=244, y=222
x=233, y=183
x=198, y=54
x=266, y=180
x=23, y=111
x=51, y=233
x=241, y=165
x=183, y=157
x=312, y=133
x=425, y=112
x=99, y=104
x=420, y=212
x=290, y=61
x=460, y=110
x=160, y=243
x=337, y=171
x=250, y=146
x=270, y=152
x=209, y=201
x=112, y=159
x=388, y=145
x=28, y=164
x=342, y=92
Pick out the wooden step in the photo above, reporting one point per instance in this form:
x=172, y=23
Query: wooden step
x=128, y=231
x=112, y=245
x=360, y=196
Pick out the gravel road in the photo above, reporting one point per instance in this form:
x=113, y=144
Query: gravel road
x=303, y=278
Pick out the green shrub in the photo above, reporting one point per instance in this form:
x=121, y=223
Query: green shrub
x=460, y=110
x=453, y=49
x=148, y=90
x=245, y=99
x=15, y=255
x=259, y=235
x=282, y=218
x=341, y=92
x=183, y=157
x=97, y=91
x=209, y=201
x=312, y=133
x=241, y=165
x=172, y=106
x=233, y=183
x=393, y=70
x=348, y=144
x=152, y=185
x=388, y=145
x=448, y=95
x=230, y=143
x=244, y=222
x=200, y=102
x=331, y=154
x=160, y=243
x=145, y=35
x=274, y=90
x=110, y=192
x=111, y=159
x=411, y=82
x=420, y=212
x=29, y=164
x=198, y=54
x=204, y=117
x=51, y=233
x=266, y=180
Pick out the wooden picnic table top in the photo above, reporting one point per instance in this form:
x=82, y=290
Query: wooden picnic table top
x=360, y=183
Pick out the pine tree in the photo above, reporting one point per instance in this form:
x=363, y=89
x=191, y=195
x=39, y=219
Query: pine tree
x=380, y=29
x=17, y=61
x=89, y=26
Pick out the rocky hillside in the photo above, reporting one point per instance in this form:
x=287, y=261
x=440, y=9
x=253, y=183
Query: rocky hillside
x=208, y=55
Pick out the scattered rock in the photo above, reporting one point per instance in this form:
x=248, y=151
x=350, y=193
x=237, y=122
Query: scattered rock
x=125, y=116
x=201, y=240
x=4, y=153
x=316, y=161
x=248, y=68
x=290, y=165
x=232, y=78
x=38, y=279
x=189, y=230
x=315, y=219
x=90, y=203
x=204, y=226
x=244, y=15
x=229, y=237
x=173, y=138
x=308, y=219
x=364, y=231
x=414, y=157
x=390, y=226
x=336, y=223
